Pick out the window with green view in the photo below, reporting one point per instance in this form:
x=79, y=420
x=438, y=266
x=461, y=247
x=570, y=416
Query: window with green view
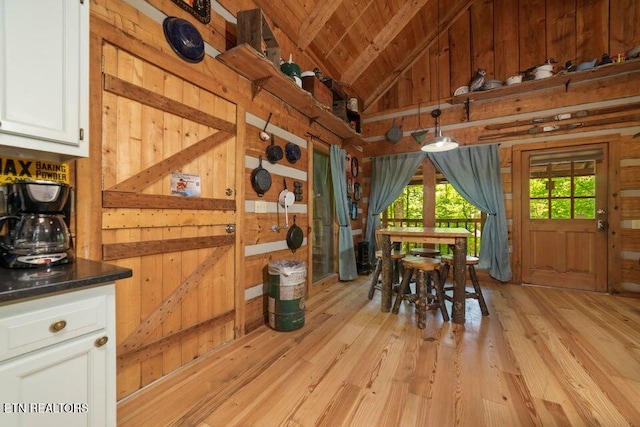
x=563, y=189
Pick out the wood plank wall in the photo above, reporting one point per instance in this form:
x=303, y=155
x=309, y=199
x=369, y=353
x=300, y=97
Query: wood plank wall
x=126, y=25
x=576, y=31
x=220, y=295
x=561, y=29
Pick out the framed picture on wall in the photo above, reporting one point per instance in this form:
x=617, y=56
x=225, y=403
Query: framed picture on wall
x=349, y=185
x=201, y=9
x=354, y=210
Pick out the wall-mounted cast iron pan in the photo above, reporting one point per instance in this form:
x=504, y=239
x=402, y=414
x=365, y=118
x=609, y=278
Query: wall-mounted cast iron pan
x=295, y=236
x=260, y=179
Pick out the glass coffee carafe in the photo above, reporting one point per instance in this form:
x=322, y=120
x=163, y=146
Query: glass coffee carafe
x=36, y=233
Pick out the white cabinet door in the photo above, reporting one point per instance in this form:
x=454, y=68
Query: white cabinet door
x=63, y=385
x=44, y=48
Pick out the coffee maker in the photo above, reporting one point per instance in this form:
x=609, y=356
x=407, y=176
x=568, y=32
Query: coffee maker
x=35, y=233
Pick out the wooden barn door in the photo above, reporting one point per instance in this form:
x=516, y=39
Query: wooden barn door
x=564, y=217
x=156, y=129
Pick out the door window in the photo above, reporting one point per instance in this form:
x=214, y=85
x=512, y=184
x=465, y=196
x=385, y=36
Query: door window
x=562, y=188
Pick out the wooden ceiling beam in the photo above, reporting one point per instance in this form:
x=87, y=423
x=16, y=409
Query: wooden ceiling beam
x=382, y=40
x=314, y=22
x=412, y=58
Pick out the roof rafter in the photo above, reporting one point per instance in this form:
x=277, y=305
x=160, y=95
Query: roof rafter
x=318, y=17
x=414, y=55
x=382, y=40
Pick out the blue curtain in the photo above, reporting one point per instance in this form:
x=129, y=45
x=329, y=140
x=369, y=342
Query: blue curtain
x=474, y=171
x=389, y=176
x=346, y=253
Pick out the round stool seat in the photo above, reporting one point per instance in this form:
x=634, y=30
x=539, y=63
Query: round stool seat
x=471, y=260
x=425, y=252
x=420, y=263
x=395, y=254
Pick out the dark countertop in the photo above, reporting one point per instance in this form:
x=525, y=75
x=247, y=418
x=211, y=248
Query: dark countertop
x=18, y=284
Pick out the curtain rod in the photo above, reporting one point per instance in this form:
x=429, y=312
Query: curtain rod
x=318, y=138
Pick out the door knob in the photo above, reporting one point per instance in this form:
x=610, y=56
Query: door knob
x=601, y=225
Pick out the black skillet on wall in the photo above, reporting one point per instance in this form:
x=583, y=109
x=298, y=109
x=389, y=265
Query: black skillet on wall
x=274, y=152
x=260, y=179
x=295, y=236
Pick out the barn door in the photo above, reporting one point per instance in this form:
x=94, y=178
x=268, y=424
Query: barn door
x=564, y=217
x=168, y=156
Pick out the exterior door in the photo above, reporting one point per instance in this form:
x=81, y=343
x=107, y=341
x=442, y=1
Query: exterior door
x=564, y=238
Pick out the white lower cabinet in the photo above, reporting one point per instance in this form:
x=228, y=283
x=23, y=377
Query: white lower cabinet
x=68, y=378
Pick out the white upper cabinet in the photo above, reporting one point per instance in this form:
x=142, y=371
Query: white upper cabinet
x=44, y=78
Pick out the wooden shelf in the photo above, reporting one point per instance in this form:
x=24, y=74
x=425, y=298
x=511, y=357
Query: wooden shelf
x=264, y=75
x=561, y=79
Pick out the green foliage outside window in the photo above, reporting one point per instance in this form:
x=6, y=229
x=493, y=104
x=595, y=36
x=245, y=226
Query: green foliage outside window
x=559, y=195
x=449, y=204
x=452, y=210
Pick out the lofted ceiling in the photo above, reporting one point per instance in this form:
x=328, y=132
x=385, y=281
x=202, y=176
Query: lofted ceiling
x=367, y=45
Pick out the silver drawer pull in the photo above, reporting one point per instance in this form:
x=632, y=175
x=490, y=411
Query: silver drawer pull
x=58, y=326
x=101, y=341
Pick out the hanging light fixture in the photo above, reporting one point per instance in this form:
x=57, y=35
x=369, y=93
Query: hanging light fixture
x=439, y=142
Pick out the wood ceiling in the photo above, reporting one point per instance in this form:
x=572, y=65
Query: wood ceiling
x=393, y=53
x=366, y=45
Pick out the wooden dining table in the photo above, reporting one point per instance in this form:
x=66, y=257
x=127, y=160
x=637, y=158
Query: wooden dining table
x=457, y=237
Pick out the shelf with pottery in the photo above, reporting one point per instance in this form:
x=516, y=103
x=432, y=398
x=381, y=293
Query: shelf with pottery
x=264, y=75
x=560, y=79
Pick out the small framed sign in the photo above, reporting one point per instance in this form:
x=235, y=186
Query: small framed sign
x=201, y=9
x=185, y=184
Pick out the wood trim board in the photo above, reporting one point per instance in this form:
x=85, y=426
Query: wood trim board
x=123, y=199
x=134, y=249
x=154, y=173
x=136, y=93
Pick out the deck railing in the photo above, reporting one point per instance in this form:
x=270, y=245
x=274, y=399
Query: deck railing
x=473, y=225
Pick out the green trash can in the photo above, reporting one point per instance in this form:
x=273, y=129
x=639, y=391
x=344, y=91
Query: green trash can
x=287, y=292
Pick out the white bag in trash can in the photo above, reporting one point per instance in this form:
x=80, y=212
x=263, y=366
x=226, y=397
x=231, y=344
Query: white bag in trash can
x=287, y=290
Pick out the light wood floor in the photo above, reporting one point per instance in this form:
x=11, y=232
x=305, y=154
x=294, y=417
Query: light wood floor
x=543, y=357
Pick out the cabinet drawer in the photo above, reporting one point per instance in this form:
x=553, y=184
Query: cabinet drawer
x=31, y=325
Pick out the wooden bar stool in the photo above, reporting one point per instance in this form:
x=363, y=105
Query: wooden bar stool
x=426, y=270
x=472, y=261
x=396, y=255
x=425, y=252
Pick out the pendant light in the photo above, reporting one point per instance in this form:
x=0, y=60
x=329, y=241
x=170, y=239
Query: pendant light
x=439, y=142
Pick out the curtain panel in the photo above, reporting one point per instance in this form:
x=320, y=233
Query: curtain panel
x=474, y=171
x=346, y=253
x=389, y=176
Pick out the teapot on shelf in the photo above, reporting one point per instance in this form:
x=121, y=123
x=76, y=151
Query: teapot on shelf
x=292, y=70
